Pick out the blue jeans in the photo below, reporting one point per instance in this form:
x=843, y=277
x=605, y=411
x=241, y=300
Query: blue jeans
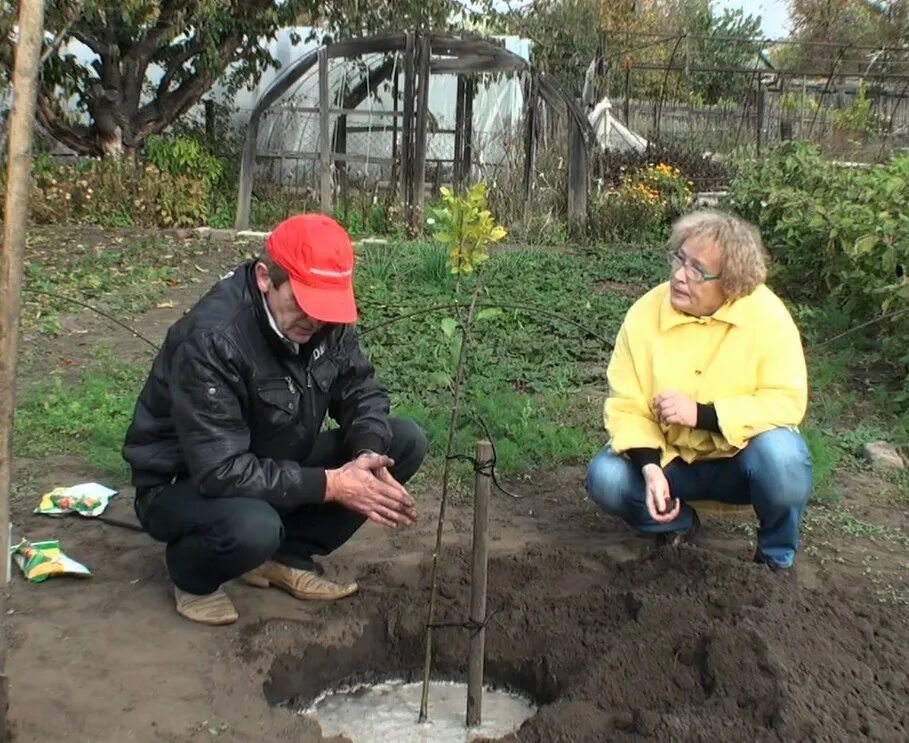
x=772, y=473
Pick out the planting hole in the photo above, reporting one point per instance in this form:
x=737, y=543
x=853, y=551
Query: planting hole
x=388, y=711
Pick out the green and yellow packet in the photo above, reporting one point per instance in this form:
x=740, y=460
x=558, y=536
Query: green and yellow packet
x=88, y=499
x=42, y=560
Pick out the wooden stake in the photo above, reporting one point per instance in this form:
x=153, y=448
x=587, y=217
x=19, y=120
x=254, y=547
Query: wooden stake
x=419, y=152
x=466, y=328
x=324, y=132
x=15, y=223
x=577, y=177
x=456, y=181
x=470, y=88
x=482, y=485
x=407, y=127
x=531, y=91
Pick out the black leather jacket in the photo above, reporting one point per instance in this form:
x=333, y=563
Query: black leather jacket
x=229, y=404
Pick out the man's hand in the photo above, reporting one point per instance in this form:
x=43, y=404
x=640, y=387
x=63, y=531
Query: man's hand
x=659, y=499
x=674, y=407
x=366, y=486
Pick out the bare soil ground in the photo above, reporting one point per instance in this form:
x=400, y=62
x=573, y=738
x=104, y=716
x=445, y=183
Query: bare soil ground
x=615, y=641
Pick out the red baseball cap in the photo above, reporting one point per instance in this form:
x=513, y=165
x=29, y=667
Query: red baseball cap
x=318, y=256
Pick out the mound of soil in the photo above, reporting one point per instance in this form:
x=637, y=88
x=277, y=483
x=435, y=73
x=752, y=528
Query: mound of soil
x=683, y=644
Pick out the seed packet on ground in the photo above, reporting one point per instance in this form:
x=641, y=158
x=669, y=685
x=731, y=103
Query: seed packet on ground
x=42, y=560
x=88, y=499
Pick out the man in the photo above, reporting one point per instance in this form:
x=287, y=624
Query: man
x=230, y=465
x=707, y=387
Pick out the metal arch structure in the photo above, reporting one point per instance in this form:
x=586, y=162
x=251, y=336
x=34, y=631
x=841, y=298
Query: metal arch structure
x=453, y=55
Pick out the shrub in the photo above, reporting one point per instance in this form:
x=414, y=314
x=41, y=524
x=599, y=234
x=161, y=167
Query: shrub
x=111, y=193
x=831, y=229
x=835, y=231
x=642, y=206
x=183, y=156
x=670, y=185
x=707, y=172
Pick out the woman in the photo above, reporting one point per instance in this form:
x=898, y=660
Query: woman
x=707, y=384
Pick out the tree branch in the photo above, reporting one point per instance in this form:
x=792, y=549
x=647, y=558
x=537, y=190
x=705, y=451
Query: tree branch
x=92, y=43
x=176, y=65
x=155, y=116
x=77, y=138
x=144, y=49
x=58, y=39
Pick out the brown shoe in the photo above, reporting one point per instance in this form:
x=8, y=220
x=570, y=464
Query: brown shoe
x=213, y=608
x=301, y=584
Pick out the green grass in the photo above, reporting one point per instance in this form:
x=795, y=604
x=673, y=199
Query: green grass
x=87, y=418
x=526, y=371
x=525, y=377
x=120, y=277
x=844, y=521
x=850, y=399
x=537, y=382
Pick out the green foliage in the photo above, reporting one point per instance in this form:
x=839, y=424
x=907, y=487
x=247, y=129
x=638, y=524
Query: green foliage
x=831, y=228
x=859, y=116
x=183, y=156
x=729, y=40
x=836, y=231
x=829, y=28
x=467, y=227
x=86, y=418
x=627, y=214
x=111, y=193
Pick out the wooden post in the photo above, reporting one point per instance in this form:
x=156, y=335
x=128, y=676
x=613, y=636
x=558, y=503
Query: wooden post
x=759, y=127
x=419, y=154
x=407, y=128
x=324, y=132
x=530, y=136
x=247, y=170
x=482, y=483
x=470, y=89
x=15, y=224
x=458, y=137
x=577, y=177
x=626, y=106
x=395, y=170
x=340, y=148
x=209, y=122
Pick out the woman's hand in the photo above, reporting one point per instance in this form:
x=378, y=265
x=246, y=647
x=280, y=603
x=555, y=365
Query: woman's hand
x=674, y=407
x=659, y=499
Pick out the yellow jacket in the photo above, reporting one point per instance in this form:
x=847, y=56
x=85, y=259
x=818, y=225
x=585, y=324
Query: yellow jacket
x=746, y=359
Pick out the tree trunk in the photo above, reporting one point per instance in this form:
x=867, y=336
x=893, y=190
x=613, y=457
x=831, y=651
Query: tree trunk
x=15, y=220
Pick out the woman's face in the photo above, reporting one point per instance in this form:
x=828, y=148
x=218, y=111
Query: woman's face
x=694, y=286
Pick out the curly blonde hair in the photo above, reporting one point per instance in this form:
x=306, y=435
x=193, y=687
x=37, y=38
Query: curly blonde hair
x=744, y=256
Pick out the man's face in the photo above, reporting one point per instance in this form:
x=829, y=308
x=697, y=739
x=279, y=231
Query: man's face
x=688, y=293
x=289, y=317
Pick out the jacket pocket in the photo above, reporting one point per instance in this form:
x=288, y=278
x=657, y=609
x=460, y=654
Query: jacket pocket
x=280, y=397
x=324, y=374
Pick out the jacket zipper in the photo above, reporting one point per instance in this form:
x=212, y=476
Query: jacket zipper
x=290, y=385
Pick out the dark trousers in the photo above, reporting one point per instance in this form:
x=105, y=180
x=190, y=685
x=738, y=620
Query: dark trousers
x=213, y=540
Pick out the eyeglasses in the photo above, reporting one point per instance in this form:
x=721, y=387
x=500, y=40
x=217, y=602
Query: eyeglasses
x=694, y=273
